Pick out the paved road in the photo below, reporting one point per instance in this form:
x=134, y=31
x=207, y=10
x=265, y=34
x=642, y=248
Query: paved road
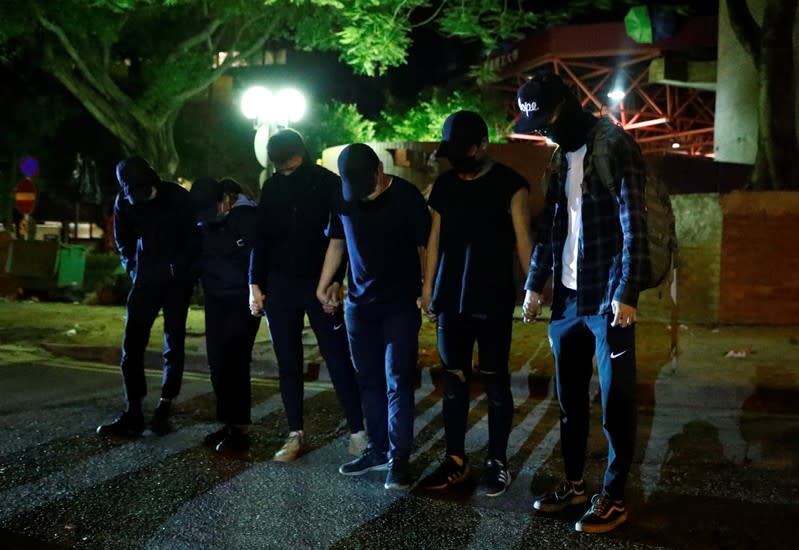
x=709, y=472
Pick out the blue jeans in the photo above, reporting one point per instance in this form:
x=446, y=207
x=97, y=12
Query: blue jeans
x=574, y=340
x=287, y=302
x=385, y=346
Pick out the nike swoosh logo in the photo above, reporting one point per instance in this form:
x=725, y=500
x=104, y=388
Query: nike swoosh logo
x=336, y=327
x=614, y=355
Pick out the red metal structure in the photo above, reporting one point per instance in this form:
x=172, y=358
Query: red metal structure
x=668, y=87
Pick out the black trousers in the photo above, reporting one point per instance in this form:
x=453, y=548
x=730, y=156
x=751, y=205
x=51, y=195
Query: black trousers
x=143, y=306
x=457, y=335
x=287, y=302
x=229, y=337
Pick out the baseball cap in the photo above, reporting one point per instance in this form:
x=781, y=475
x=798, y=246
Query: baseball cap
x=538, y=98
x=135, y=173
x=357, y=166
x=231, y=186
x=205, y=193
x=461, y=130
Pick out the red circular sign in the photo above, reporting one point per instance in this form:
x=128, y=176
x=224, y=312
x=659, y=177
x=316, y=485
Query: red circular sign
x=25, y=196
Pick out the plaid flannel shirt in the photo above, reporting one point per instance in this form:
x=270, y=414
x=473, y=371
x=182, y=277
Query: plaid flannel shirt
x=612, y=256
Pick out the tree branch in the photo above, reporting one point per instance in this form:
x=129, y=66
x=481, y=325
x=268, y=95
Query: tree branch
x=192, y=41
x=745, y=27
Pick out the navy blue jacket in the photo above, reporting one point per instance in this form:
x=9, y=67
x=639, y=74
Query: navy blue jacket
x=157, y=240
x=226, y=248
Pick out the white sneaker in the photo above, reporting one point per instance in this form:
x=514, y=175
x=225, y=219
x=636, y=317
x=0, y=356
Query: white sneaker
x=358, y=443
x=290, y=449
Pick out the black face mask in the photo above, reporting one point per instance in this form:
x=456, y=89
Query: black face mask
x=139, y=194
x=569, y=130
x=465, y=164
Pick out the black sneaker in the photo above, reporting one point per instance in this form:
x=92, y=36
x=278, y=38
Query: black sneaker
x=495, y=479
x=568, y=493
x=127, y=424
x=448, y=473
x=399, y=476
x=370, y=460
x=213, y=438
x=236, y=441
x=604, y=515
x=160, y=425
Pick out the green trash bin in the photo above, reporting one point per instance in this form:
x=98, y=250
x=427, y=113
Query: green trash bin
x=47, y=265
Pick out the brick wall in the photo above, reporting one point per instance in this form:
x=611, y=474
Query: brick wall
x=760, y=258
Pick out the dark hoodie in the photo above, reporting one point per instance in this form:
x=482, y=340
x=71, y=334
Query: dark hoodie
x=157, y=239
x=292, y=216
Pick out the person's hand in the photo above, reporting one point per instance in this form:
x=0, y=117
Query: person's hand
x=623, y=315
x=256, y=301
x=531, y=307
x=330, y=297
x=424, y=302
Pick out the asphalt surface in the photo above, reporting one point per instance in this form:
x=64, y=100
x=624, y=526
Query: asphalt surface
x=711, y=470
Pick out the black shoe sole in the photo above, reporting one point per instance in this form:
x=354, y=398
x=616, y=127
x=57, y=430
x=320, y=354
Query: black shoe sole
x=555, y=508
x=600, y=527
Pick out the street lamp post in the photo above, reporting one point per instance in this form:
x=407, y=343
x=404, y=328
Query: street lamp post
x=270, y=112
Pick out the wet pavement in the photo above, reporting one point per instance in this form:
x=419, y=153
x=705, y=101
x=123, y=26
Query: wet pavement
x=717, y=465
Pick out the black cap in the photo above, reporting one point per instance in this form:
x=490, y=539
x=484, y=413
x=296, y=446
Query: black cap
x=135, y=173
x=205, y=193
x=285, y=144
x=538, y=98
x=357, y=165
x=230, y=186
x=461, y=130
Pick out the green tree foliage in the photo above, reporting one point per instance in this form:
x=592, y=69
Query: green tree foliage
x=133, y=64
x=336, y=124
x=423, y=120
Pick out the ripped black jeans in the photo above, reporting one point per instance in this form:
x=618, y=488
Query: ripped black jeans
x=457, y=335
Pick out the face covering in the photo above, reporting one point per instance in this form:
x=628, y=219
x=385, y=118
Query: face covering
x=139, y=194
x=465, y=164
x=569, y=129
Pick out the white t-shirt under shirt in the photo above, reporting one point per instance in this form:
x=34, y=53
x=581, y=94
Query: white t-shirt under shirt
x=574, y=198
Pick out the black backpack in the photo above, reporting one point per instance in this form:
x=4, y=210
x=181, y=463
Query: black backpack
x=661, y=234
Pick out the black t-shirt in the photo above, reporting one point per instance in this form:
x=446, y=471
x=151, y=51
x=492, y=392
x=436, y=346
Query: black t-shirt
x=476, y=243
x=382, y=239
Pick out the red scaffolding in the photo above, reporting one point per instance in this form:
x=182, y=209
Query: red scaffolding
x=667, y=89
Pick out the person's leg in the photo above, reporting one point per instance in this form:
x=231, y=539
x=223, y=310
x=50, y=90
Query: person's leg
x=286, y=322
x=142, y=309
x=216, y=350
x=367, y=345
x=493, y=344
x=455, y=343
x=401, y=337
x=331, y=335
x=572, y=349
x=176, y=308
x=615, y=353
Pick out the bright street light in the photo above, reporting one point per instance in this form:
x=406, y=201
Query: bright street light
x=262, y=106
x=616, y=95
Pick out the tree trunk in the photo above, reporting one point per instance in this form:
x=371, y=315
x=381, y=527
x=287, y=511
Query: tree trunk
x=156, y=145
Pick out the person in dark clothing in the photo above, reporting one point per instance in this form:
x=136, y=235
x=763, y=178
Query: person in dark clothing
x=228, y=231
x=158, y=242
x=287, y=258
x=592, y=242
x=479, y=213
x=382, y=222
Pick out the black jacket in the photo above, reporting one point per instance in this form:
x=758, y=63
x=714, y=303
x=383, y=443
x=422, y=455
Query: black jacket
x=157, y=240
x=226, y=250
x=292, y=216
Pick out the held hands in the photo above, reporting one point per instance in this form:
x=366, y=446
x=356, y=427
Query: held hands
x=424, y=302
x=256, y=301
x=531, y=308
x=330, y=297
x=623, y=315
